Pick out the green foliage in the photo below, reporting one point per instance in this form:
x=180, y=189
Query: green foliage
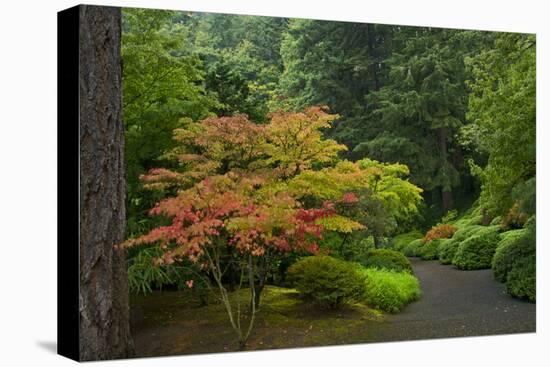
x=449, y=217
x=403, y=239
x=476, y=252
x=447, y=251
x=514, y=246
x=162, y=83
x=386, y=259
x=346, y=246
x=144, y=275
x=496, y=221
x=414, y=248
x=388, y=290
x=502, y=108
x=521, y=280
x=325, y=281
x=430, y=250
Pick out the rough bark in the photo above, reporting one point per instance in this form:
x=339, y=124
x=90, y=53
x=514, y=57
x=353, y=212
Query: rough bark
x=103, y=297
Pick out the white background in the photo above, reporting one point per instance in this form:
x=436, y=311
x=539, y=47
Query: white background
x=28, y=182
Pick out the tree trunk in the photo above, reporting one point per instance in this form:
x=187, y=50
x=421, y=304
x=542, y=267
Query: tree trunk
x=260, y=284
x=446, y=194
x=103, y=297
x=446, y=200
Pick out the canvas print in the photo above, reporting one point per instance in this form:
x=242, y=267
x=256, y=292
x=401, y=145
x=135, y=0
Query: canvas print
x=250, y=183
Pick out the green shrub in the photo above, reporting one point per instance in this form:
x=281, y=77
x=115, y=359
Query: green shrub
x=144, y=276
x=472, y=217
x=326, y=281
x=390, y=291
x=430, y=250
x=447, y=250
x=477, y=252
x=513, y=245
x=402, y=240
x=521, y=280
x=413, y=248
x=386, y=259
x=465, y=232
x=496, y=221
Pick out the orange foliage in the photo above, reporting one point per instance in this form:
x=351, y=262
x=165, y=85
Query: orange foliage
x=440, y=231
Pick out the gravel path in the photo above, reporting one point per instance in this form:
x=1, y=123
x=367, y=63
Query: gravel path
x=456, y=303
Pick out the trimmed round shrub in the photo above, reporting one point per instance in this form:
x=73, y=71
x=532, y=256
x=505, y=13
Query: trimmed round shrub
x=326, y=281
x=477, y=252
x=447, y=251
x=430, y=250
x=521, y=280
x=465, y=232
x=388, y=290
x=400, y=241
x=513, y=245
x=386, y=259
x=413, y=248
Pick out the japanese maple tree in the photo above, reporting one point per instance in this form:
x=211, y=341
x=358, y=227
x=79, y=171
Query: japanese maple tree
x=222, y=211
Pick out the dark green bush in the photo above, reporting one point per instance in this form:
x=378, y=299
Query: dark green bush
x=326, y=281
x=521, y=280
x=513, y=245
x=477, y=252
x=413, y=248
x=447, y=251
x=386, y=259
x=430, y=250
x=465, y=232
x=390, y=291
x=400, y=241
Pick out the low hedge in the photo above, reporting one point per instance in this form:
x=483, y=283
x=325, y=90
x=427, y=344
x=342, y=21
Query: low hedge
x=386, y=259
x=513, y=245
x=447, y=249
x=521, y=280
x=388, y=290
x=413, y=248
x=400, y=241
x=477, y=252
x=515, y=262
x=326, y=281
x=430, y=250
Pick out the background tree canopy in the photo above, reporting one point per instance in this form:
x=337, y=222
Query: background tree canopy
x=456, y=107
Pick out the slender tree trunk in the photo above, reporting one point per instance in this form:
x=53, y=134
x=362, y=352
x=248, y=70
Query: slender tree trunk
x=103, y=296
x=446, y=194
x=260, y=284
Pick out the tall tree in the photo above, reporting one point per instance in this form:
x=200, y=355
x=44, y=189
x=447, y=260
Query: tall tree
x=416, y=115
x=502, y=107
x=103, y=298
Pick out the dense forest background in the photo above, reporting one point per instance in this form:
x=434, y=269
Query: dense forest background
x=456, y=106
